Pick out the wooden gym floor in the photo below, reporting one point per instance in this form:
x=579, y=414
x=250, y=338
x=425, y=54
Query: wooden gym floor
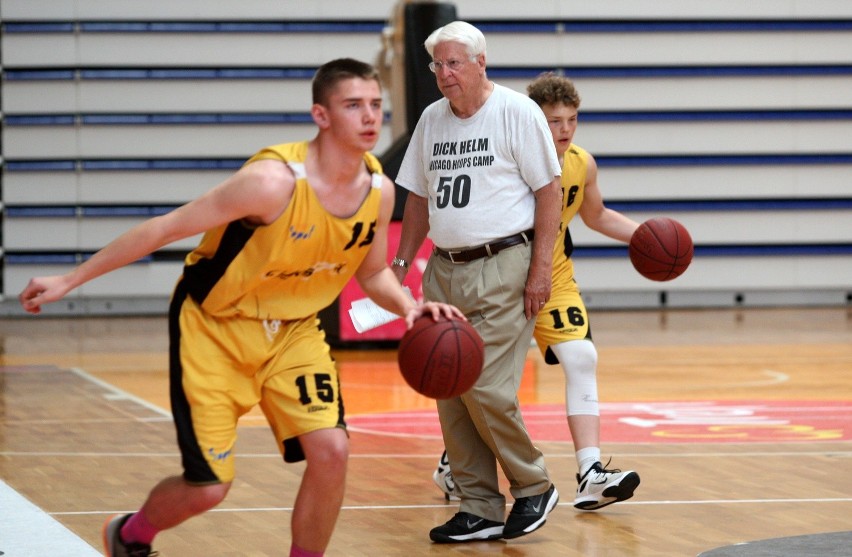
x=738, y=421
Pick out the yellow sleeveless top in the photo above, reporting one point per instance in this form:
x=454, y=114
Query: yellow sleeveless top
x=291, y=268
x=574, y=169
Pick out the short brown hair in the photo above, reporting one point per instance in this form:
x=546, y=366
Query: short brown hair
x=331, y=73
x=549, y=88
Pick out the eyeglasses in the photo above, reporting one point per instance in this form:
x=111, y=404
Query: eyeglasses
x=452, y=65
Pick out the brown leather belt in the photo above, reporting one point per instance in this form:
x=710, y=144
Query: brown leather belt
x=486, y=250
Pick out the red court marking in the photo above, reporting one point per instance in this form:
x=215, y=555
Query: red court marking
x=659, y=422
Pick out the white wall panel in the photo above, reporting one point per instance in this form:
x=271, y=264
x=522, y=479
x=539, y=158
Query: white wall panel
x=47, y=10
x=109, y=187
x=72, y=234
x=147, y=49
x=666, y=48
x=735, y=227
x=155, y=141
x=710, y=182
x=178, y=50
x=151, y=95
x=135, y=280
x=720, y=274
x=733, y=181
x=164, y=10
x=709, y=92
x=742, y=137
x=701, y=137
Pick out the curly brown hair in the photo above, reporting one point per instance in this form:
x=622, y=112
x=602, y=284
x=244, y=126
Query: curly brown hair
x=550, y=88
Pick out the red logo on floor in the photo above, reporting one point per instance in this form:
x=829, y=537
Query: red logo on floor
x=661, y=422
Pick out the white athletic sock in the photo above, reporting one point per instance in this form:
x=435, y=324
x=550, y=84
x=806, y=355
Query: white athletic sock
x=586, y=458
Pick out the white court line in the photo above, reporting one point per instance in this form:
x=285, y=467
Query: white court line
x=356, y=429
x=117, y=394
x=445, y=505
x=26, y=530
x=774, y=378
x=88, y=421
x=431, y=456
x=31, y=531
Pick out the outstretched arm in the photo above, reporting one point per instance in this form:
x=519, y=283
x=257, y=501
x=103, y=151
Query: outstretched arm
x=597, y=216
x=258, y=192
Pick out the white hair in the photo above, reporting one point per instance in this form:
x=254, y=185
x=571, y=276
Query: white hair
x=457, y=32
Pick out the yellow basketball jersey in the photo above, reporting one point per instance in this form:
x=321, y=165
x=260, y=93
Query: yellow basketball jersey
x=574, y=170
x=291, y=268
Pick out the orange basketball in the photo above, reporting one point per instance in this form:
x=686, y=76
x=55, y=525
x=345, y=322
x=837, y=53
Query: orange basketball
x=441, y=359
x=661, y=249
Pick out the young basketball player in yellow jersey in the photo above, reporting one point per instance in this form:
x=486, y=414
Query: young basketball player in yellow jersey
x=562, y=327
x=282, y=238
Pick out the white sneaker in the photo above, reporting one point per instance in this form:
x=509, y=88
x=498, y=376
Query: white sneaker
x=600, y=487
x=443, y=478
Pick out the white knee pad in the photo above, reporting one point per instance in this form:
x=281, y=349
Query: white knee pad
x=579, y=360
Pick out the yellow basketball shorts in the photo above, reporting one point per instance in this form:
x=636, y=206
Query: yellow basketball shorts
x=221, y=368
x=562, y=318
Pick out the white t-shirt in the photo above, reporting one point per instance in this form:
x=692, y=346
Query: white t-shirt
x=479, y=173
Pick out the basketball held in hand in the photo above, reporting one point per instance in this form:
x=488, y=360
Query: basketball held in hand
x=661, y=249
x=441, y=359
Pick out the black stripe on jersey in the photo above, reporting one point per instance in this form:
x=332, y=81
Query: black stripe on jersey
x=202, y=276
x=568, y=244
x=196, y=469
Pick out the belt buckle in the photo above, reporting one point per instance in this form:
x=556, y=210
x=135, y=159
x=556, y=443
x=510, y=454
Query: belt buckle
x=450, y=254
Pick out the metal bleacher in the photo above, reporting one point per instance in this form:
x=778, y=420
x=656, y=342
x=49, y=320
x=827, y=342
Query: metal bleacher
x=734, y=118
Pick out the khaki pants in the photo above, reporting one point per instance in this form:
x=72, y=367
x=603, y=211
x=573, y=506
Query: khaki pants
x=484, y=426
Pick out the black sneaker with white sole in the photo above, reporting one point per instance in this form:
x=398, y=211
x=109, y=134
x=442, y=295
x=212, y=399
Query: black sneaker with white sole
x=600, y=487
x=530, y=513
x=466, y=527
